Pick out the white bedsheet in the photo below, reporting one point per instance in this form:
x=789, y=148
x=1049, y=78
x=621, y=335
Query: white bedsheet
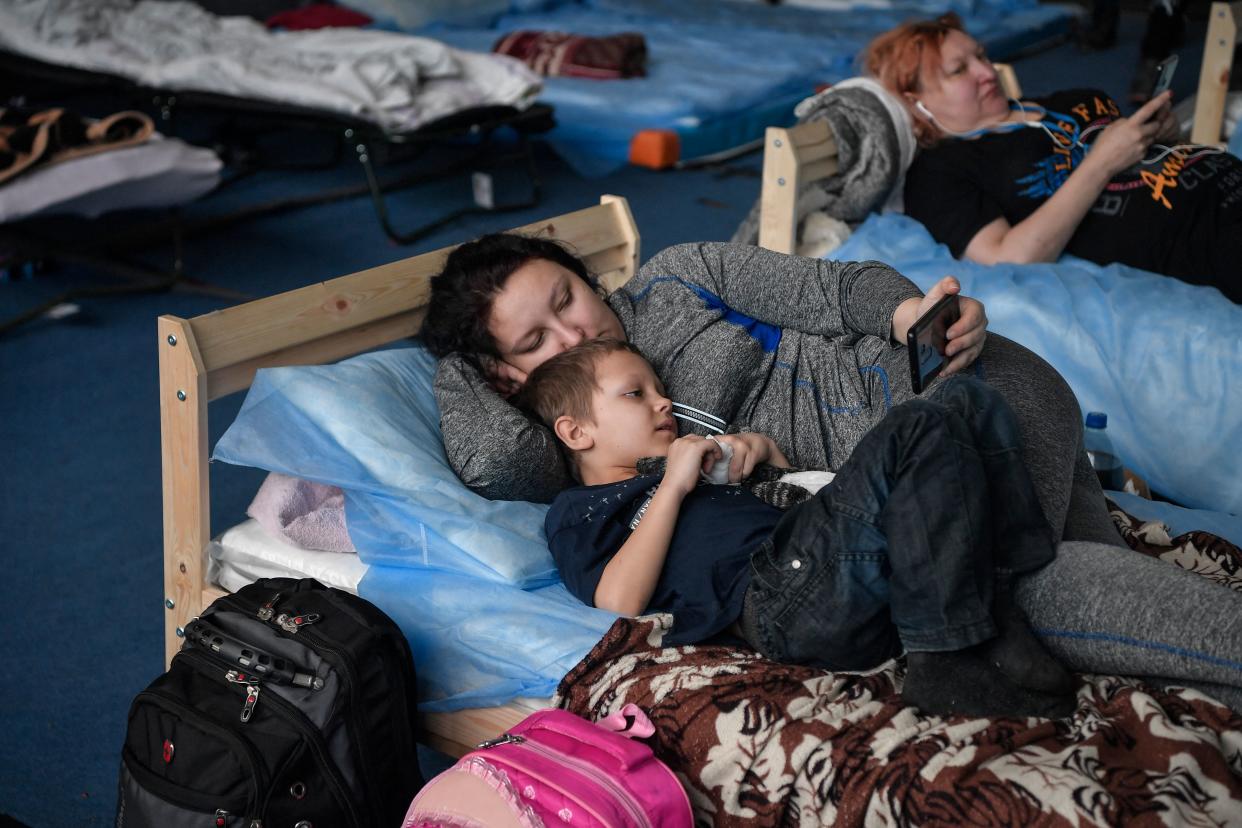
x=395, y=80
x=159, y=172
x=246, y=552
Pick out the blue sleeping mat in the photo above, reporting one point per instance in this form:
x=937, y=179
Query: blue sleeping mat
x=1162, y=358
x=720, y=72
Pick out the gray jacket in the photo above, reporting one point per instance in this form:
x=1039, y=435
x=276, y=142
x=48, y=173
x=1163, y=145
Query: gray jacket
x=870, y=155
x=751, y=339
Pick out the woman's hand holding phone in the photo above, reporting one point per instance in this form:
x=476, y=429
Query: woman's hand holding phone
x=966, y=336
x=1125, y=141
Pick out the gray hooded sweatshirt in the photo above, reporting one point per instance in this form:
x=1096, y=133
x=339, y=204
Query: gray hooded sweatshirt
x=743, y=339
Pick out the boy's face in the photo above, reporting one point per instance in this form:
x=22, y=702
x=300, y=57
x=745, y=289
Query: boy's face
x=632, y=415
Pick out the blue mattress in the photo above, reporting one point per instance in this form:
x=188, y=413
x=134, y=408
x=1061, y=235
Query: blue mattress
x=721, y=72
x=1162, y=358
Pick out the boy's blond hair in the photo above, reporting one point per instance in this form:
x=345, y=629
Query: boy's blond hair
x=563, y=385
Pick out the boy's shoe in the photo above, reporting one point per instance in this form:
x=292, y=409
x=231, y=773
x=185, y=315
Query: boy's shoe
x=1017, y=653
x=965, y=683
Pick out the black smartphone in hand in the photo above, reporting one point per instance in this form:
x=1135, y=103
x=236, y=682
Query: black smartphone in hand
x=926, y=341
x=1164, y=75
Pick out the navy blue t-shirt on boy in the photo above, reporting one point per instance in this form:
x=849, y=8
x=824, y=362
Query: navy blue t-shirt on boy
x=707, y=568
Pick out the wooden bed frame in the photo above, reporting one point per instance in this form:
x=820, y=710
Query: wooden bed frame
x=1223, y=34
x=797, y=155
x=217, y=354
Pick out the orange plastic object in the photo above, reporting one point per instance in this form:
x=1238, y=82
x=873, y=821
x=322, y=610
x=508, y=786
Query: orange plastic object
x=657, y=149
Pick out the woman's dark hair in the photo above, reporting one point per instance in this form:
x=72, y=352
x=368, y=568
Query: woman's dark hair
x=462, y=293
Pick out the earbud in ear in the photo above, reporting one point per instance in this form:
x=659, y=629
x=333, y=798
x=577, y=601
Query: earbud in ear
x=921, y=108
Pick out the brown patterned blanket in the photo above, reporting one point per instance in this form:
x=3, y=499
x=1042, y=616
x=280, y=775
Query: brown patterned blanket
x=758, y=743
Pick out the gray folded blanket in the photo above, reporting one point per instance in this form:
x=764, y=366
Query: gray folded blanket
x=875, y=145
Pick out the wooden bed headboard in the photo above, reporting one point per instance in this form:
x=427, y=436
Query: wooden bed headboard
x=1223, y=33
x=218, y=353
x=797, y=155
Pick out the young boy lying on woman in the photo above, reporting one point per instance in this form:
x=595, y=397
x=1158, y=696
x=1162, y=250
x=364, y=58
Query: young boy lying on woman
x=913, y=546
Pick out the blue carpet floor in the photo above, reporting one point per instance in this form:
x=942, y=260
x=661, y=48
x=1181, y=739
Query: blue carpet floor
x=80, y=601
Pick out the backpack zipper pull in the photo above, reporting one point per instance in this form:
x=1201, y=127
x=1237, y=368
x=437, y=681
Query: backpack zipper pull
x=266, y=611
x=293, y=623
x=252, y=698
x=222, y=817
x=507, y=739
x=238, y=677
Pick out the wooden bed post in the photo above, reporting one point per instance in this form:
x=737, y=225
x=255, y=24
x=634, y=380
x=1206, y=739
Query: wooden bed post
x=807, y=152
x=183, y=449
x=628, y=229
x=1222, y=34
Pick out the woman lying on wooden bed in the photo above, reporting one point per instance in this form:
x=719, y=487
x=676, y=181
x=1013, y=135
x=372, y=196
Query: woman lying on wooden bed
x=805, y=351
x=1001, y=180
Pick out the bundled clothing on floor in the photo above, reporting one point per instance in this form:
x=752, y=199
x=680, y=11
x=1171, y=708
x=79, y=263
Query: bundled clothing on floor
x=560, y=54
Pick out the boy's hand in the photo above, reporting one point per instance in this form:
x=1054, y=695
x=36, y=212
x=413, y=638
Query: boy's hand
x=749, y=450
x=687, y=456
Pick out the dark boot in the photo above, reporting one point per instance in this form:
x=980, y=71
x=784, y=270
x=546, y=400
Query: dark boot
x=1016, y=651
x=966, y=683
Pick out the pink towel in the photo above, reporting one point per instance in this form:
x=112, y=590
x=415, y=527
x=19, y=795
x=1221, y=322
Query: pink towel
x=310, y=515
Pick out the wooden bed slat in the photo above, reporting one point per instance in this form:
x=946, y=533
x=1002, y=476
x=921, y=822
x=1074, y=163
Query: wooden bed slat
x=1222, y=34
x=791, y=157
x=239, y=376
x=217, y=354
x=319, y=312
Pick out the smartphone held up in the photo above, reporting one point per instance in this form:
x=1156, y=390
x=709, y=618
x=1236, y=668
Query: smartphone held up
x=926, y=341
x=1164, y=76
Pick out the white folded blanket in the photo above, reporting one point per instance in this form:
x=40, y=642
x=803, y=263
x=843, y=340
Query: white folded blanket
x=395, y=80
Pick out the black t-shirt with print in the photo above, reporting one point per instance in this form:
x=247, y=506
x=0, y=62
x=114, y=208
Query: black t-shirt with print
x=707, y=568
x=1163, y=217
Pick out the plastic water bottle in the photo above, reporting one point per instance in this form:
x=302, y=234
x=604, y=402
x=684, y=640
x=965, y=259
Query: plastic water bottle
x=1100, y=450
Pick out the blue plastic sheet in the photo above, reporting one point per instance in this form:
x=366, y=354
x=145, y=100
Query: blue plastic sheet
x=480, y=643
x=370, y=425
x=1161, y=357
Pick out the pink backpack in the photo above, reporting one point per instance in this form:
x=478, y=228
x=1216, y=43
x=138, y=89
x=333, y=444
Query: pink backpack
x=557, y=769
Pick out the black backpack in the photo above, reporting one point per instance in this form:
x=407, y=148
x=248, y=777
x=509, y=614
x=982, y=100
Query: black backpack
x=290, y=704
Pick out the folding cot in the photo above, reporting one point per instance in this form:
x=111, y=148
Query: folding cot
x=378, y=93
x=486, y=137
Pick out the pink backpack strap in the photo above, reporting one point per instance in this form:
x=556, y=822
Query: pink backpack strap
x=638, y=726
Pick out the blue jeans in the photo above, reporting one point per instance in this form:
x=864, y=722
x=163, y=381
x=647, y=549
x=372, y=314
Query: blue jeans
x=902, y=549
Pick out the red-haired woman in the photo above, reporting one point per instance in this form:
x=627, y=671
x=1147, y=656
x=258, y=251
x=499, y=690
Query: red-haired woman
x=1000, y=180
